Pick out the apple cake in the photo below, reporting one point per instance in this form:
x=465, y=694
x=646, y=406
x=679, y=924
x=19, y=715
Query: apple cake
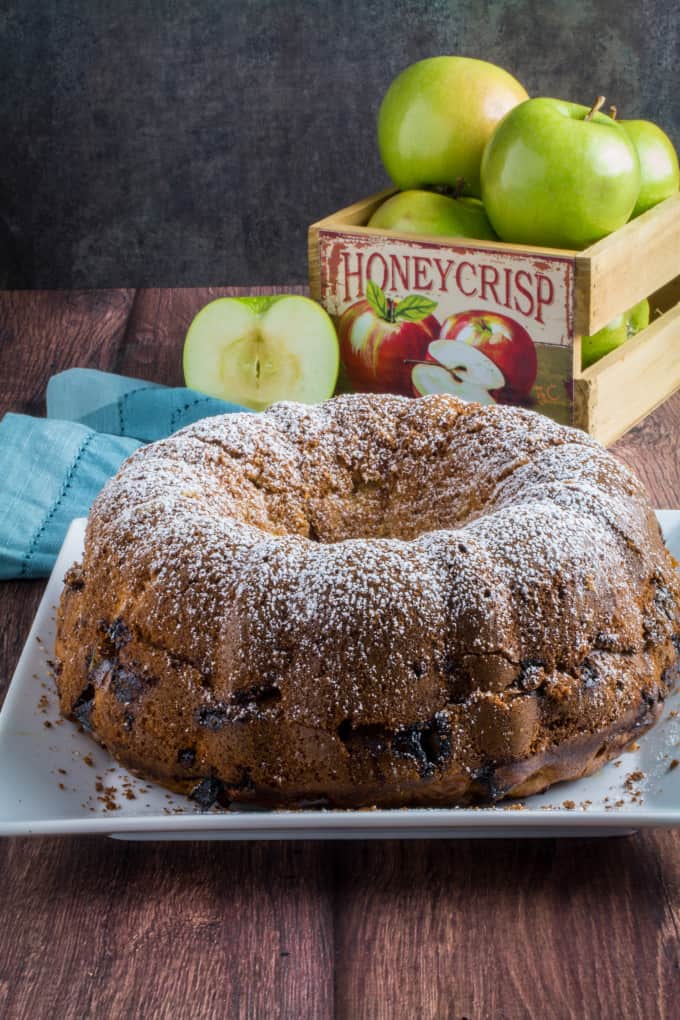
x=371, y=601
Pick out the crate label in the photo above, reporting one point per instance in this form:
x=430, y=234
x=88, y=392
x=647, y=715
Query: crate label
x=492, y=299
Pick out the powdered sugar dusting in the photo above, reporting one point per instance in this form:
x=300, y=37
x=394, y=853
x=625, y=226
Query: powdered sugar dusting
x=380, y=560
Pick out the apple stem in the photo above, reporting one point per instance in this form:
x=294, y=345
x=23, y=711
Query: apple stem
x=597, y=105
x=459, y=188
x=613, y=112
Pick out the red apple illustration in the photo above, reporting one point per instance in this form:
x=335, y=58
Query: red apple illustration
x=381, y=339
x=504, y=342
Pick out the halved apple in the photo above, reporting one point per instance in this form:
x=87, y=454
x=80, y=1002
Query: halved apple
x=433, y=378
x=256, y=351
x=454, y=367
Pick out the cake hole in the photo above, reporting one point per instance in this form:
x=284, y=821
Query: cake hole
x=82, y=707
x=209, y=792
x=371, y=737
x=262, y=695
x=436, y=744
x=117, y=632
x=428, y=744
x=74, y=580
x=212, y=717
x=344, y=730
x=531, y=674
x=419, y=669
x=589, y=674
x=127, y=685
x=313, y=534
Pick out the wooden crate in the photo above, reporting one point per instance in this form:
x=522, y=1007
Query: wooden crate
x=642, y=259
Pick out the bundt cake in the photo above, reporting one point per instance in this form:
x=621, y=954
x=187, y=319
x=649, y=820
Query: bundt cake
x=373, y=601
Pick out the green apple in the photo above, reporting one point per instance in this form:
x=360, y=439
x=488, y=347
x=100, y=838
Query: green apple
x=437, y=116
x=558, y=174
x=255, y=351
x=659, y=173
x=638, y=317
x=426, y=212
x=614, y=333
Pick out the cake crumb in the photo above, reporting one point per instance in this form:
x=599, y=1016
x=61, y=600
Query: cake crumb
x=89, y=760
x=568, y=804
x=673, y=764
x=633, y=778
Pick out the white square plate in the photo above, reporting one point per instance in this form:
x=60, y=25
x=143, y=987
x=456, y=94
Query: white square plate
x=57, y=781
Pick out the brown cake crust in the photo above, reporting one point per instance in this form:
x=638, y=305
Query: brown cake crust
x=376, y=600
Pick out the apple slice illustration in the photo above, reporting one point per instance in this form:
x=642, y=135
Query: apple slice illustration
x=455, y=367
x=255, y=351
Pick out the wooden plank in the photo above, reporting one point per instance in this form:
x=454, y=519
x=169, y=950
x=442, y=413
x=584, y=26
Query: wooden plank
x=626, y=266
x=618, y=391
x=650, y=449
x=314, y=263
x=502, y=928
x=97, y=928
x=43, y=332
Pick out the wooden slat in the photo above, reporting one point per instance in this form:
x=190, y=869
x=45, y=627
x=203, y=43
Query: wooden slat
x=43, y=332
x=618, y=391
x=509, y=929
x=357, y=215
x=314, y=263
x=626, y=266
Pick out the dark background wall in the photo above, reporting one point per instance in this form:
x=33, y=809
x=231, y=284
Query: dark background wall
x=184, y=143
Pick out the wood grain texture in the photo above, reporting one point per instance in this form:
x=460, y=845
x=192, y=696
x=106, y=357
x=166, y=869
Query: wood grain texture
x=499, y=929
x=630, y=381
x=626, y=266
x=43, y=332
x=511, y=929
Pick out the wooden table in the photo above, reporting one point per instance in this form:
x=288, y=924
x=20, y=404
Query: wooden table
x=442, y=929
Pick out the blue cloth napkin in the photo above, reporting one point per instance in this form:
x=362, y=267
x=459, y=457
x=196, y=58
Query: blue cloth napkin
x=52, y=468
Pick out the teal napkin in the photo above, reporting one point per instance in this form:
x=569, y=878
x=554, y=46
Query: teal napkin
x=52, y=468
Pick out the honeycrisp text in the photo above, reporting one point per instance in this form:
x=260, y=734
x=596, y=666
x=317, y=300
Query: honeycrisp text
x=519, y=290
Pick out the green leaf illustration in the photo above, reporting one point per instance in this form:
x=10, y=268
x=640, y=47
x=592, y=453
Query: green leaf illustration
x=377, y=300
x=414, y=307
